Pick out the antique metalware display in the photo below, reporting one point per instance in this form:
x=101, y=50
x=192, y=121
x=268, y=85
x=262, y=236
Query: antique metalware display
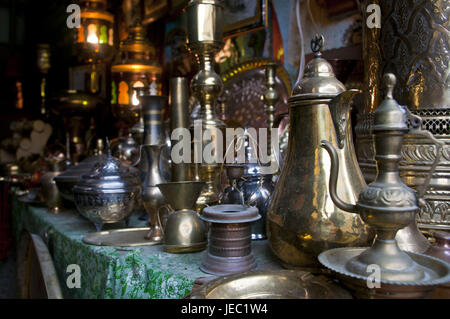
x=302, y=220
x=135, y=66
x=107, y=193
x=229, y=241
x=412, y=42
x=179, y=119
x=387, y=205
x=184, y=231
x=271, y=284
x=205, y=40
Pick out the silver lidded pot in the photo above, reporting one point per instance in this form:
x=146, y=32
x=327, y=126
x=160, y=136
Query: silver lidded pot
x=107, y=194
x=71, y=176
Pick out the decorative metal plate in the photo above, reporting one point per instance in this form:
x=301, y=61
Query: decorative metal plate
x=244, y=86
x=271, y=284
x=127, y=237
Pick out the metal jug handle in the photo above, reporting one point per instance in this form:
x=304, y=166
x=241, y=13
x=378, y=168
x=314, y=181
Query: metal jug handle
x=416, y=129
x=136, y=163
x=252, y=198
x=158, y=214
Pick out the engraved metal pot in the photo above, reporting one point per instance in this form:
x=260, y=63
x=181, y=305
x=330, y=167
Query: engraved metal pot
x=302, y=220
x=413, y=43
x=108, y=193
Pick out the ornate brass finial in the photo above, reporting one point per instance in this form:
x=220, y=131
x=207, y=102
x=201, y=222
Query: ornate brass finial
x=317, y=44
x=389, y=80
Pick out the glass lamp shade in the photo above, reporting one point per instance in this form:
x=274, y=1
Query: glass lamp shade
x=95, y=36
x=135, y=67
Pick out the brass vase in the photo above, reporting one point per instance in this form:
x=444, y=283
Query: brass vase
x=152, y=198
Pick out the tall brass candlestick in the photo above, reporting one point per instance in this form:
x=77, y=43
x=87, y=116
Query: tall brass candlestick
x=205, y=40
x=271, y=98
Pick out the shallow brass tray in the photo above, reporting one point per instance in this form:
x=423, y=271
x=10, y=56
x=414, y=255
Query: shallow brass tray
x=127, y=237
x=437, y=272
x=271, y=284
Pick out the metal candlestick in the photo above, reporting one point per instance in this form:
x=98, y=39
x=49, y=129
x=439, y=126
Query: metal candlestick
x=271, y=98
x=179, y=96
x=205, y=40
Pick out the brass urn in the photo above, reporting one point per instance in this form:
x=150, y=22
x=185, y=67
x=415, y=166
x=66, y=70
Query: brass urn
x=302, y=220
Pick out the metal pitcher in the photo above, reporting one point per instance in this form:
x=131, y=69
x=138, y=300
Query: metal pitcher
x=302, y=220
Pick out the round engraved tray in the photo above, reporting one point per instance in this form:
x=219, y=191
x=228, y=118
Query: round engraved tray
x=245, y=84
x=271, y=284
x=127, y=237
x=437, y=272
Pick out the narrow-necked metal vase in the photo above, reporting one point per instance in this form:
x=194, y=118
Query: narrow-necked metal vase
x=302, y=220
x=152, y=198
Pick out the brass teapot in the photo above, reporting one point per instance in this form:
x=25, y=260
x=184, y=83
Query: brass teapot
x=302, y=220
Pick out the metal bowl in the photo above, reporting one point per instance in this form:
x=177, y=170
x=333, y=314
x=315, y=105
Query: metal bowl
x=271, y=284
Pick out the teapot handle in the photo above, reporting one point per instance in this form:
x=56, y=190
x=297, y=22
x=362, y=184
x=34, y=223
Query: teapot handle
x=416, y=129
x=340, y=108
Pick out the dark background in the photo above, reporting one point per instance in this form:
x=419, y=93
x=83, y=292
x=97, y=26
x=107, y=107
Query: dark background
x=23, y=25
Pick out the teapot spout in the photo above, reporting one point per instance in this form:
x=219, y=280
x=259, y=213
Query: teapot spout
x=334, y=178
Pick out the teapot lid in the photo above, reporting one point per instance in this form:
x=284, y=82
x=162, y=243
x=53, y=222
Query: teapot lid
x=319, y=80
x=108, y=175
